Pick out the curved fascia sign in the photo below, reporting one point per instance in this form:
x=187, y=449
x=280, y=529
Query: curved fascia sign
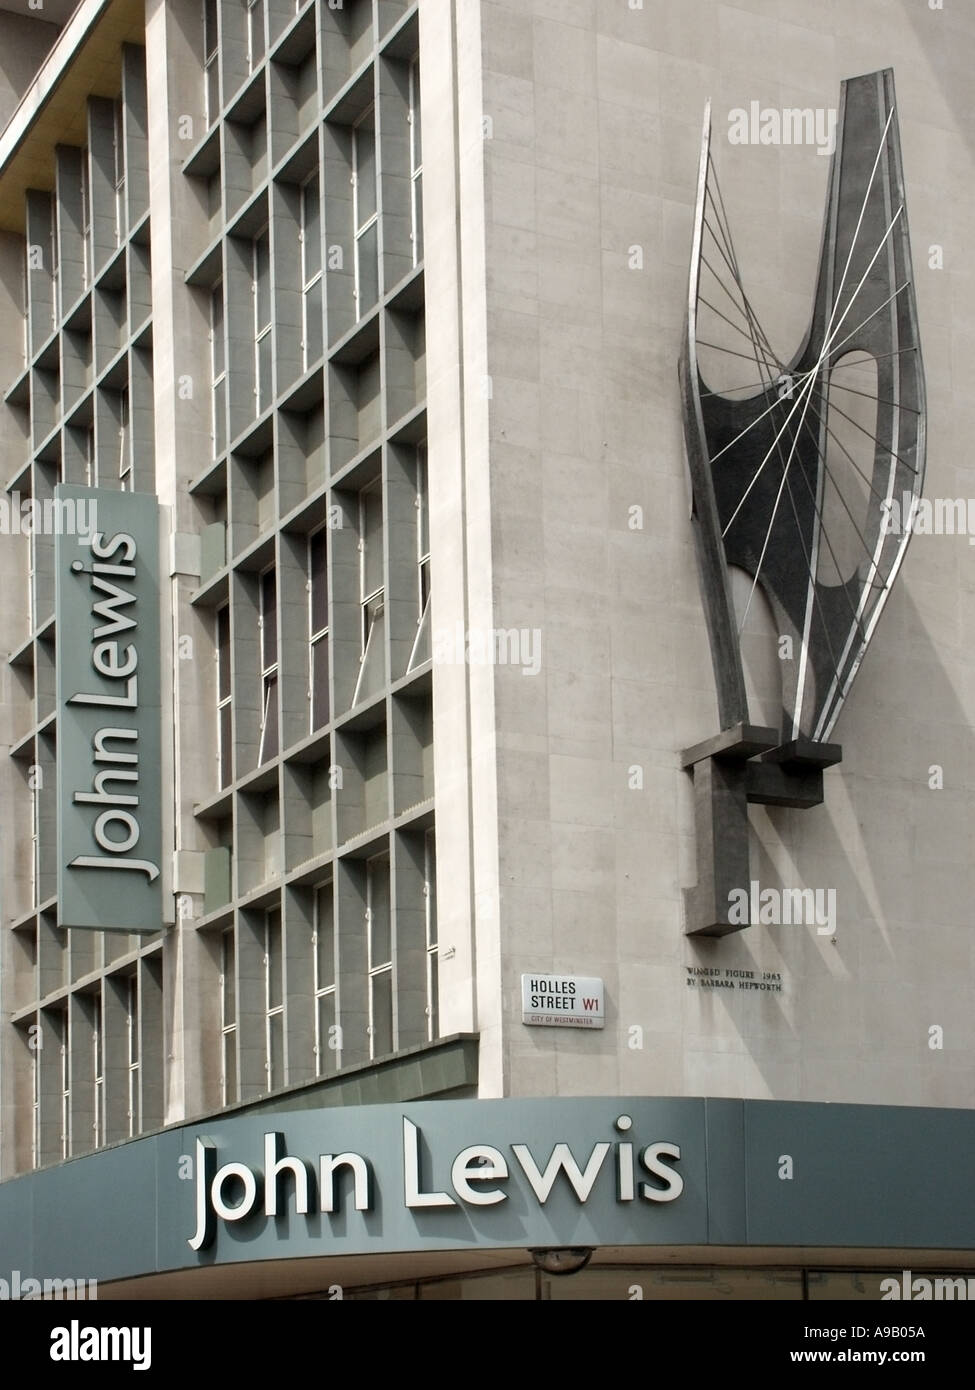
x=435, y=1175
x=108, y=704
x=480, y=1175
x=454, y=1175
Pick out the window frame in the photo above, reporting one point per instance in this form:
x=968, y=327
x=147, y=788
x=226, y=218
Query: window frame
x=376, y=970
x=324, y=991
x=228, y=1028
x=270, y=670
x=317, y=636
x=35, y=1135
x=416, y=161
x=118, y=171
x=64, y=1044
x=274, y=944
x=431, y=934
x=255, y=52
x=85, y=221
x=361, y=228
x=98, y=1068
x=372, y=603
x=263, y=391
x=125, y=440
x=133, y=1040
x=224, y=755
x=55, y=266
x=315, y=279
x=218, y=374
x=211, y=63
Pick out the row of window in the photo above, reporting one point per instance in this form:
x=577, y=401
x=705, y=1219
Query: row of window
x=372, y=607
x=253, y=41
x=365, y=229
x=325, y=970
x=327, y=980
x=58, y=230
x=63, y=1042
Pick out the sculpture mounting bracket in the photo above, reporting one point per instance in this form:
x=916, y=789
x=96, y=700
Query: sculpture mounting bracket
x=745, y=763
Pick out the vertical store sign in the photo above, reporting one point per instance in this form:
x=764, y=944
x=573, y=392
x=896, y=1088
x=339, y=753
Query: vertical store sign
x=109, y=715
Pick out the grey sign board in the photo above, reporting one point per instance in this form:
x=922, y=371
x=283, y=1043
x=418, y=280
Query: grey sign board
x=500, y=1174
x=109, y=713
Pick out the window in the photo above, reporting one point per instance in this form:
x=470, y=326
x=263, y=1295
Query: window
x=134, y=1054
x=65, y=1059
x=218, y=365
x=118, y=145
x=98, y=1071
x=228, y=1017
x=55, y=266
x=430, y=904
x=416, y=163
x=422, y=650
x=210, y=64
x=255, y=33
x=225, y=746
x=269, y=667
x=318, y=628
x=35, y=835
x=380, y=955
x=311, y=271
x=25, y=300
x=90, y=471
x=261, y=288
x=85, y=222
x=422, y=531
x=35, y=1071
x=365, y=213
x=273, y=1000
x=31, y=567
x=372, y=670
x=125, y=441
x=323, y=944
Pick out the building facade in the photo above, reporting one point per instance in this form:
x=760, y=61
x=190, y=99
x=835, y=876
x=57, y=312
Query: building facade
x=430, y=620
